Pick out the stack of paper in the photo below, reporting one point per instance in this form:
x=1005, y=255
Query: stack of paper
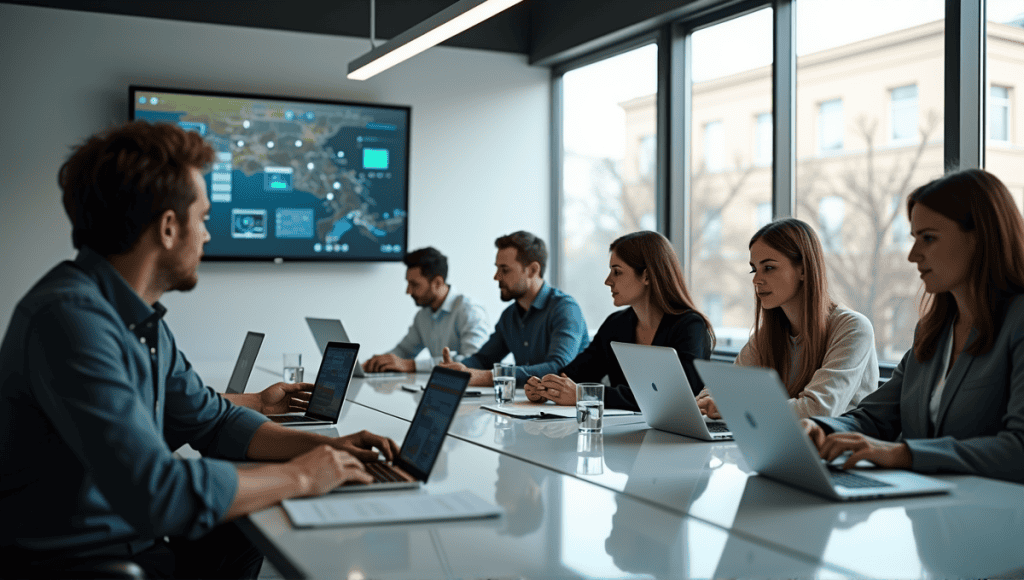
x=386, y=508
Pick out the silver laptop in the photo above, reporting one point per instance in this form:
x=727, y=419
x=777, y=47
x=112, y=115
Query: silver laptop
x=666, y=400
x=754, y=401
x=327, y=330
x=329, y=389
x=422, y=445
x=243, y=366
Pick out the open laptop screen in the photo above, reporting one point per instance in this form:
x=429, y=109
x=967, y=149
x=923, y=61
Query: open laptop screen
x=430, y=424
x=332, y=381
x=243, y=366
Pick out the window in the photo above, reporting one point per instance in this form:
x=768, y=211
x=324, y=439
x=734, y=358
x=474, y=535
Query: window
x=711, y=234
x=831, y=213
x=713, y=309
x=731, y=174
x=714, y=146
x=608, y=169
x=1004, y=56
x=646, y=156
x=763, y=215
x=903, y=114
x=999, y=114
x=830, y=126
x=868, y=86
x=763, y=139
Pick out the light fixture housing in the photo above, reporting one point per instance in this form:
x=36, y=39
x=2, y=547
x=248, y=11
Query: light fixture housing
x=458, y=17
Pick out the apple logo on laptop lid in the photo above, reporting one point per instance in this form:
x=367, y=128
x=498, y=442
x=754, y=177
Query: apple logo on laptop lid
x=750, y=419
x=654, y=386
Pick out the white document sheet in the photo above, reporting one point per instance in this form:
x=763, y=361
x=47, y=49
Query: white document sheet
x=528, y=410
x=389, y=508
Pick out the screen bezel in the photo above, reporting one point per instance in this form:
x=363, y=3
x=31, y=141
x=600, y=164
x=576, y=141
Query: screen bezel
x=133, y=90
x=408, y=467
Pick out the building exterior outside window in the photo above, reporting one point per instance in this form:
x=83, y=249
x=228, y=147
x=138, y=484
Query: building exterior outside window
x=999, y=114
x=763, y=139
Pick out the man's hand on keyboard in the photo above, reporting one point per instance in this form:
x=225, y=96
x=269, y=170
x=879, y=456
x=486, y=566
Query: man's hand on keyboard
x=367, y=446
x=324, y=468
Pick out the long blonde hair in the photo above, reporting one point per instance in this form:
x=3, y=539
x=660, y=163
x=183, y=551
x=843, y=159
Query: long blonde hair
x=798, y=242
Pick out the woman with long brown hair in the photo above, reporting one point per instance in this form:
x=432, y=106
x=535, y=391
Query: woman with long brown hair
x=824, y=353
x=955, y=403
x=644, y=274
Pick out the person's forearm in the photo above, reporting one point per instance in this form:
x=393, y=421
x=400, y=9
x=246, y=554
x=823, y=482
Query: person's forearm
x=262, y=486
x=273, y=442
x=248, y=400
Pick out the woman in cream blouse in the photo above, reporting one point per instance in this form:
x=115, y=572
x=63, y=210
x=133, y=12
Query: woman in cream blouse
x=824, y=353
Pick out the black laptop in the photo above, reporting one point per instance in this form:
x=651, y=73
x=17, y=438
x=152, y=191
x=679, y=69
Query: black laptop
x=329, y=389
x=429, y=427
x=243, y=366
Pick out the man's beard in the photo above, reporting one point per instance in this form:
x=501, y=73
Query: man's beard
x=509, y=294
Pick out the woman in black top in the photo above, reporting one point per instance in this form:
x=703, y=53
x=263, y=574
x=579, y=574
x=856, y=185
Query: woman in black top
x=644, y=275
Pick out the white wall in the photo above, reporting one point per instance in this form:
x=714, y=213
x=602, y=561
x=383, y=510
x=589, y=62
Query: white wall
x=479, y=165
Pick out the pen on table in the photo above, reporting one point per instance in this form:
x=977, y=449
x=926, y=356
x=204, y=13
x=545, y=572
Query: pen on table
x=472, y=394
x=410, y=388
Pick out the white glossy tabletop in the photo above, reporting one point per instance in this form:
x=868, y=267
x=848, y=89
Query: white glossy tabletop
x=908, y=537
x=554, y=527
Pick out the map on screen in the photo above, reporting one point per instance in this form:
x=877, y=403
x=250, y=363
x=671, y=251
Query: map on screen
x=295, y=179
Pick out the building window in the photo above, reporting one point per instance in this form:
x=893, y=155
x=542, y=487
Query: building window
x=711, y=234
x=714, y=146
x=999, y=114
x=830, y=126
x=903, y=114
x=831, y=213
x=645, y=156
x=900, y=225
x=763, y=214
x=714, y=309
x=763, y=140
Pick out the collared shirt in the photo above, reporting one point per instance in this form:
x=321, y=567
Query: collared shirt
x=459, y=324
x=543, y=339
x=94, y=398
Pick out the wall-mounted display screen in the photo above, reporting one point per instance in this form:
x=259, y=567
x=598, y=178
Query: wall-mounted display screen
x=296, y=179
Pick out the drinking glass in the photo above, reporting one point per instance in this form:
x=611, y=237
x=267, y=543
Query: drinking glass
x=590, y=407
x=292, y=367
x=504, y=383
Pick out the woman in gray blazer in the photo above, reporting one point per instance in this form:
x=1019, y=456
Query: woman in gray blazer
x=955, y=403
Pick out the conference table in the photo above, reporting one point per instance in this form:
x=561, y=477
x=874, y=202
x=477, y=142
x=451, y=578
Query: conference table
x=635, y=502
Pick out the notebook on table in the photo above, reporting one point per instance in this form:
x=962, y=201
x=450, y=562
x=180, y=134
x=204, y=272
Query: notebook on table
x=329, y=389
x=754, y=401
x=243, y=366
x=659, y=384
x=422, y=444
x=327, y=330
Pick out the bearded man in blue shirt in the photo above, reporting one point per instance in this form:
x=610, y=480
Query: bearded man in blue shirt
x=95, y=394
x=543, y=328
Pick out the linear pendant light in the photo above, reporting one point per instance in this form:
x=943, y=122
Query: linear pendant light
x=458, y=17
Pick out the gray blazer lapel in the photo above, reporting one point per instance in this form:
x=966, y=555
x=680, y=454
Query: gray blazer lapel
x=956, y=378
x=927, y=375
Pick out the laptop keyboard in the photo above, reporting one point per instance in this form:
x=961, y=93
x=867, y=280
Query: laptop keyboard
x=717, y=427
x=854, y=481
x=383, y=473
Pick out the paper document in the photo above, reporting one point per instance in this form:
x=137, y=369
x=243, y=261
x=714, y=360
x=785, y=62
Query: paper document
x=527, y=410
x=387, y=508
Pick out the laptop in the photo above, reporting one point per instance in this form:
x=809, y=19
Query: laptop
x=329, y=389
x=243, y=366
x=754, y=402
x=327, y=330
x=658, y=382
x=423, y=440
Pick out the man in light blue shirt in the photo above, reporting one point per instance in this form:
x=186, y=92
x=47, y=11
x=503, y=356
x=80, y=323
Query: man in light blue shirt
x=544, y=327
x=447, y=319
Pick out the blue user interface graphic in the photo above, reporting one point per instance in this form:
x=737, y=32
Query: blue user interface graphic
x=375, y=158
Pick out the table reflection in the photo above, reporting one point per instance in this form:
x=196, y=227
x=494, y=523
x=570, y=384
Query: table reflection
x=590, y=454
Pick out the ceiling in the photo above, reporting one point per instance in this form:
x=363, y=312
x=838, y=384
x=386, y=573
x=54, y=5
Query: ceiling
x=545, y=30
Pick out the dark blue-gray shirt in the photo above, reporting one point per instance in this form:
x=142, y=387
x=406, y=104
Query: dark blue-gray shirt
x=94, y=398
x=543, y=339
